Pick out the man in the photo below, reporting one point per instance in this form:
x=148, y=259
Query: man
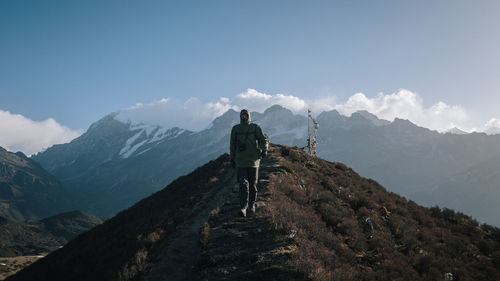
x=248, y=145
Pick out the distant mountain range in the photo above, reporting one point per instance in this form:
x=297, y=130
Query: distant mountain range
x=418, y=163
x=116, y=163
x=28, y=192
x=43, y=236
x=315, y=220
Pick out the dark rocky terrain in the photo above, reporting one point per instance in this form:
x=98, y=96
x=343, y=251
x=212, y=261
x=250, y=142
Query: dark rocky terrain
x=316, y=220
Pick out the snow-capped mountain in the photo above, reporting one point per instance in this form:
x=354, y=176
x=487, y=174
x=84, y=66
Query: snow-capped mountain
x=108, y=163
x=145, y=137
x=115, y=163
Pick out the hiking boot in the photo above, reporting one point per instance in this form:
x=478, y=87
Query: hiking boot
x=251, y=209
x=243, y=212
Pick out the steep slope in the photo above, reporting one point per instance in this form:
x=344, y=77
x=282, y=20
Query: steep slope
x=37, y=237
x=316, y=220
x=27, y=191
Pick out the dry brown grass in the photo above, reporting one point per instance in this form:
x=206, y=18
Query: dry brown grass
x=343, y=232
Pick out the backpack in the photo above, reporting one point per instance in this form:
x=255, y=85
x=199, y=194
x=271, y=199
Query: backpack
x=241, y=146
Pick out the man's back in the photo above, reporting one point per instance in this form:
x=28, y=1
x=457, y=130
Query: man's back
x=248, y=144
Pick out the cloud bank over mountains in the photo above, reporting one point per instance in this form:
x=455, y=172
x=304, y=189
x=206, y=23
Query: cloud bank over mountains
x=196, y=115
x=405, y=104
x=19, y=133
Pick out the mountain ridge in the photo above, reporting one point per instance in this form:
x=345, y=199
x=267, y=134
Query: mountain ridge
x=316, y=220
x=404, y=157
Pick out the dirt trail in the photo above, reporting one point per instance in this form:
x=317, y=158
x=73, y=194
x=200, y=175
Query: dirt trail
x=179, y=255
x=248, y=248
x=236, y=248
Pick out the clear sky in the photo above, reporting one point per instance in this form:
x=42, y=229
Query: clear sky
x=76, y=61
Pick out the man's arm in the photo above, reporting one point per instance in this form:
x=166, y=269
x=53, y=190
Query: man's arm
x=262, y=140
x=232, y=143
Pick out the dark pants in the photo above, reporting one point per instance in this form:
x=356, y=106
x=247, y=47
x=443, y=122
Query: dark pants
x=247, y=178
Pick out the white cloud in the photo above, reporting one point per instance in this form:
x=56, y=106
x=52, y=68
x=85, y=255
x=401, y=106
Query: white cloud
x=192, y=114
x=405, y=104
x=322, y=104
x=256, y=101
x=492, y=127
x=196, y=115
x=19, y=133
x=402, y=104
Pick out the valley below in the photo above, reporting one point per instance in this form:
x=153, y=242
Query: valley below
x=10, y=265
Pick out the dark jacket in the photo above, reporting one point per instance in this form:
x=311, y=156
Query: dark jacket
x=247, y=144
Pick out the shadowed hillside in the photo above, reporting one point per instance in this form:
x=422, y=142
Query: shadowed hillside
x=22, y=243
x=28, y=192
x=316, y=220
x=37, y=237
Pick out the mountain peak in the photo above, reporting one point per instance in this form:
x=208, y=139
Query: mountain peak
x=372, y=118
x=398, y=122
x=226, y=120
x=276, y=108
x=332, y=115
x=104, y=121
x=22, y=155
x=366, y=114
x=315, y=220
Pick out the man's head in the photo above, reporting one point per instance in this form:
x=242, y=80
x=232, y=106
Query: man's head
x=245, y=116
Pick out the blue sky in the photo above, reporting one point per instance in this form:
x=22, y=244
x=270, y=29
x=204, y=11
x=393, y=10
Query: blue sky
x=76, y=61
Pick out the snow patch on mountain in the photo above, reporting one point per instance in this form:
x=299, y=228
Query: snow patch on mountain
x=148, y=129
x=147, y=134
x=128, y=144
x=159, y=135
x=130, y=151
x=144, y=151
